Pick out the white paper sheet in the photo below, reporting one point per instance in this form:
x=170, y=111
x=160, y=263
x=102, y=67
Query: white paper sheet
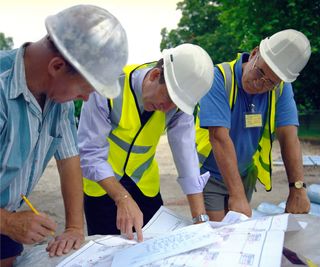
x=251, y=251
x=237, y=241
x=97, y=253
x=164, y=221
x=247, y=243
x=173, y=243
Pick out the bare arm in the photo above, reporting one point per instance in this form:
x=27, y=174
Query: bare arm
x=225, y=155
x=196, y=204
x=297, y=201
x=72, y=192
x=129, y=214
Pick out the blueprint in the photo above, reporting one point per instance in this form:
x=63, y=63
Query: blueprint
x=172, y=241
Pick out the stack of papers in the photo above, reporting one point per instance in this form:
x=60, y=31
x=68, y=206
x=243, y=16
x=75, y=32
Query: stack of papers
x=171, y=240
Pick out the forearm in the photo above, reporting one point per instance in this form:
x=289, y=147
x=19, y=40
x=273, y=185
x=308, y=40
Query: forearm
x=4, y=214
x=291, y=152
x=298, y=201
x=225, y=156
x=196, y=204
x=72, y=191
x=114, y=188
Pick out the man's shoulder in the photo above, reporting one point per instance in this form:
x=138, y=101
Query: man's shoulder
x=7, y=58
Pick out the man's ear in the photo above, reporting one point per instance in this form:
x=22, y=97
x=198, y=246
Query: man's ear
x=154, y=74
x=56, y=65
x=254, y=52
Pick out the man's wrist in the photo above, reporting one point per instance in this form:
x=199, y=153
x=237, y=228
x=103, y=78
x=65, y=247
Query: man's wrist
x=297, y=184
x=121, y=198
x=4, y=221
x=200, y=218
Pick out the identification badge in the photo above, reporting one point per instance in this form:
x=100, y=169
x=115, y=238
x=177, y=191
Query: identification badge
x=252, y=120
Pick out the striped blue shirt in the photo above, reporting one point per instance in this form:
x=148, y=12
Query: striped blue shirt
x=29, y=137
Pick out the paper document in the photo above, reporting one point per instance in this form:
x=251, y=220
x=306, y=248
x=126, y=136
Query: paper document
x=164, y=221
x=249, y=243
x=98, y=253
x=173, y=243
x=237, y=241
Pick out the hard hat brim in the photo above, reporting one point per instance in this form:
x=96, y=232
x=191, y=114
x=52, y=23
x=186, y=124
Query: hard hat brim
x=171, y=83
x=109, y=91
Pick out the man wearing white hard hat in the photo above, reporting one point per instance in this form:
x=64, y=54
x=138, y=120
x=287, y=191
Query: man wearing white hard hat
x=251, y=100
x=118, y=140
x=38, y=82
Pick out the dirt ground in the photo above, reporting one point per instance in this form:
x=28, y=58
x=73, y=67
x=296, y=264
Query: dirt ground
x=47, y=197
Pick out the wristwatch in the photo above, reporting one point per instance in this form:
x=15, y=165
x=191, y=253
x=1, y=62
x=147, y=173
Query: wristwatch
x=200, y=218
x=298, y=184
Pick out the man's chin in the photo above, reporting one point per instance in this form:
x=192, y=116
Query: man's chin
x=249, y=90
x=149, y=108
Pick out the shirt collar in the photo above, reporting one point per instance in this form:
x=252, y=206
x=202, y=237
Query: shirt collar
x=19, y=83
x=136, y=81
x=238, y=68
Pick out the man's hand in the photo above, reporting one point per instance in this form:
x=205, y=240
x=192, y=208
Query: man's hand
x=239, y=204
x=298, y=201
x=129, y=215
x=71, y=238
x=26, y=227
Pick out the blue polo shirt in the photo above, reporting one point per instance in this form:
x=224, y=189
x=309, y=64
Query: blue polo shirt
x=29, y=137
x=215, y=111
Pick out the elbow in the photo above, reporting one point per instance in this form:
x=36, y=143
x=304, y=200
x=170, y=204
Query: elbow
x=218, y=135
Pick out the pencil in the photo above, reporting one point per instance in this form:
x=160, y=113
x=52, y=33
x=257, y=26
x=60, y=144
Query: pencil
x=32, y=207
x=29, y=204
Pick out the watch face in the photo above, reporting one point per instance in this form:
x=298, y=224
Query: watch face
x=298, y=184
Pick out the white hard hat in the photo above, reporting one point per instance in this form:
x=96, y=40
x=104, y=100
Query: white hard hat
x=94, y=42
x=286, y=53
x=188, y=72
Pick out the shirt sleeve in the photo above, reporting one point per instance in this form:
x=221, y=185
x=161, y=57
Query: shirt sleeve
x=3, y=116
x=286, y=109
x=68, y=146
x=94, y=127
x=214, y=106
x=181, y=138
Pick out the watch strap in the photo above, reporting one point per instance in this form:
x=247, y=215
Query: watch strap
x=297, y=184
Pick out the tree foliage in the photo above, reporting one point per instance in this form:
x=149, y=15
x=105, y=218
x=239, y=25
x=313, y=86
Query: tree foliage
x=227, y=27
x=6, y=43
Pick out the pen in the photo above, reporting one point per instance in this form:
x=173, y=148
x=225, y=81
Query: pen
x=32, y=207
x=29, y=204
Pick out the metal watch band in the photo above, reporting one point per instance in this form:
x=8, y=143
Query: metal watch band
x=200, y=218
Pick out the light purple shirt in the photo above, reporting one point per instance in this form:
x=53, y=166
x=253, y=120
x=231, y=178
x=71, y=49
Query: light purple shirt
x=95, y=126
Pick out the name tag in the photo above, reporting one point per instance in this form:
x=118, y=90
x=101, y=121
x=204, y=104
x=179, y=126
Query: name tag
x=252, y=120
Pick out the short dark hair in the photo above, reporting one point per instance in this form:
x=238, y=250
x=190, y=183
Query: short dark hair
x=70, y=69
x=159, y=66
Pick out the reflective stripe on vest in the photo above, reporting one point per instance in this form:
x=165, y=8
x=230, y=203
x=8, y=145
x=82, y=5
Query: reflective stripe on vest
x=262, y=158
x=132, y=143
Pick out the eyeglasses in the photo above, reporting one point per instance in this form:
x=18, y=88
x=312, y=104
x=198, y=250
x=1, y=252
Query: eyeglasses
x=260, y=76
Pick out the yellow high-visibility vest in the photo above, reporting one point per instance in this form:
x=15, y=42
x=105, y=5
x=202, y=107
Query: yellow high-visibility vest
x=132, y=142
x=261, y=166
